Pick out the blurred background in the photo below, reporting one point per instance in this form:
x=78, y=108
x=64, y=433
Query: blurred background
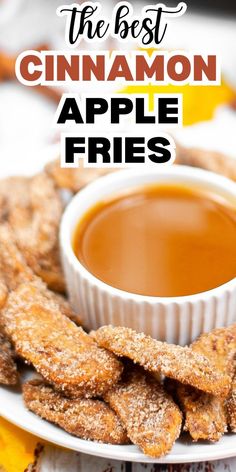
x=27, y=137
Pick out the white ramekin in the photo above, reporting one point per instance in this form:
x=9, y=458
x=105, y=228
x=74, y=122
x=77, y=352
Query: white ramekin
x=174, y=319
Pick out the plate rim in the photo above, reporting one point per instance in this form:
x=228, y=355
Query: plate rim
x=108, y=451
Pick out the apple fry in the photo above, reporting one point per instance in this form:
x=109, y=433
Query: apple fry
x=60, y=351
x=37, y=232
x=177, y=362
x=149, y=414
x=85, y=418
x=14, y=271
x=33, y=210
x=205, y=415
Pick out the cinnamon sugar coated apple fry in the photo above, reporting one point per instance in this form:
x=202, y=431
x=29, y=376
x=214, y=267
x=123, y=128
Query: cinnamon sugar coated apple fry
x=219, y=346
x=8, y=369
x=73, y=179
x=14, y=271
x=85, y=418
x=34, y=211
x=177, y=362
x=205, y=415
x=64, y=306
x=61, y=352
x=149, y=414
x=37, y=233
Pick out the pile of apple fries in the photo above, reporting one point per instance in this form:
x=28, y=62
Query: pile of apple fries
x=114, y=385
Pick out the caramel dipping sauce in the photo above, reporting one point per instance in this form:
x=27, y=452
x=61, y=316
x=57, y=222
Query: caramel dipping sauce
x=163, y=240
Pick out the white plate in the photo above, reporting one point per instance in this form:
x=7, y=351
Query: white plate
x=12, y=407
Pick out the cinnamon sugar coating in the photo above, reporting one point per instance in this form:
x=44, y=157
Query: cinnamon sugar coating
x=14, y=271
x=152, y=419
x=179, y=363
x=33, y=208
x=205, y=415
x=64, y=306
x=60, y=351
x=85, y=418
x=219, y=346
x=8, y=369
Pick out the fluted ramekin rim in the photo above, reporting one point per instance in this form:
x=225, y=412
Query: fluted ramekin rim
x=69, y=256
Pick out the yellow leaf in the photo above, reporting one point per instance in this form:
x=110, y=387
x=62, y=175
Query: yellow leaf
x=16, y=447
